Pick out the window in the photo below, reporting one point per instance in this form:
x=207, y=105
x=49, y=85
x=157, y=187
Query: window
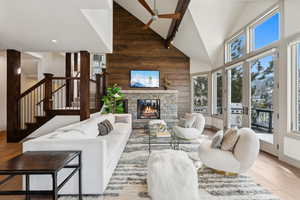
x=200, y=93
x=295, y=62
x=266, y=31
x=217, y=92
x=236, y=47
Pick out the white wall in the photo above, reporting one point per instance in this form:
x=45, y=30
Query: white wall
x=292, y=16
x=2, y=91
x=53, y=63
x=198, y=66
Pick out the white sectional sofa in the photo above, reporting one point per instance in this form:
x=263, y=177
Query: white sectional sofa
x=100, y=154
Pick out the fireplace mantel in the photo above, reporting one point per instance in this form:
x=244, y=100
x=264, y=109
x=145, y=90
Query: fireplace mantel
x=149, y=91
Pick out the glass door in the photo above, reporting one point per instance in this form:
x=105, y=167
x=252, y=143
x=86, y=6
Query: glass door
x=263, y=101
x=234, y=97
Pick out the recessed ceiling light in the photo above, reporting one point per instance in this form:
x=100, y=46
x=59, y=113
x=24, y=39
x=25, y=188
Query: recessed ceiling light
x=54, y=41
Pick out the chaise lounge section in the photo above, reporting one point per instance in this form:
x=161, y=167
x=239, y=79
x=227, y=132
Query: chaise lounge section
x=100, y=154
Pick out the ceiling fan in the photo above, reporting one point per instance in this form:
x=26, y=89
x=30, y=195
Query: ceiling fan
x=155, y=14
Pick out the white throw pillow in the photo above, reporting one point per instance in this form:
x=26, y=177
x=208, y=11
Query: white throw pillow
x=189, y=120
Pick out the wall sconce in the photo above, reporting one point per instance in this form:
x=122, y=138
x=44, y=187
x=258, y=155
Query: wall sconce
x=19, y=71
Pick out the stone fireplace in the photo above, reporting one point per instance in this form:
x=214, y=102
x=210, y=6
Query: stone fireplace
x=146, y=105
x=148, y=109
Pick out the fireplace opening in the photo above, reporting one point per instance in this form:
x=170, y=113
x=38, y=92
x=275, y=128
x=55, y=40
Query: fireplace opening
x=148, y=109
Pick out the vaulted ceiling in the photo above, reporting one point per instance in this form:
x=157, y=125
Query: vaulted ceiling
x=75, y=25
x=205, y=26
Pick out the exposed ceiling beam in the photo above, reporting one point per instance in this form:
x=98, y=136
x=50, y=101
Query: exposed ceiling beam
x=181, y=8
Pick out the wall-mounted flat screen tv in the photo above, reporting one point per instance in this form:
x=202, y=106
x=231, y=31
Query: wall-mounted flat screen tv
x=144, y=78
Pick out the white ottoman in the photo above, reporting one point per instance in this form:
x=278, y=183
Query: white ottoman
x=172, y=175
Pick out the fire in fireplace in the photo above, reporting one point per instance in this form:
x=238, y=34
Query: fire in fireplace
x=148, y=109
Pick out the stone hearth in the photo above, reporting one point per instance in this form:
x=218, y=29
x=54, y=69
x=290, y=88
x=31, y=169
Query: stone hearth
x=168, y=104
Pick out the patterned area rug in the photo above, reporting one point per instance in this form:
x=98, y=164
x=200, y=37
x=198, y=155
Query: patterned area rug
x=129, y=179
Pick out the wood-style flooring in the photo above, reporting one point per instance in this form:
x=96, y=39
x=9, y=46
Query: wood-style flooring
x=278, y=177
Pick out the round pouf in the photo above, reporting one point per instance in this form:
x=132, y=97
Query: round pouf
x=172, y=175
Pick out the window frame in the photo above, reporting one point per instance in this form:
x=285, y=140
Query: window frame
x=207, y=75
x=293, y=62
x=247, y=29
x=227, y=44
x=250, y=29
x=214, y=97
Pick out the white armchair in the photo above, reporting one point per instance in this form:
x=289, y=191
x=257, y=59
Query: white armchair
x=239, y=161
x=194, y=132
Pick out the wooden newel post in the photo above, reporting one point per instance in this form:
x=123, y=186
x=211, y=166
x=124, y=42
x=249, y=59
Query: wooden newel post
x=98, y=92
x=13, y=93
x=104, y=81
x=84, y=85
x=48, y=92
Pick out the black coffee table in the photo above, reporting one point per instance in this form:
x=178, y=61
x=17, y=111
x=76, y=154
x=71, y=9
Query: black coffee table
x=41, y=163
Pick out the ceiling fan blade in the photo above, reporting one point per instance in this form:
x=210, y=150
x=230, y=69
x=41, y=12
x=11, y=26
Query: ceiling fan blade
x=171, y=16
x=146, y=6
x=148, y=24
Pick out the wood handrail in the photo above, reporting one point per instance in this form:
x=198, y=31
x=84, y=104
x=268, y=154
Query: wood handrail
x=60, y=78
x=41, y=82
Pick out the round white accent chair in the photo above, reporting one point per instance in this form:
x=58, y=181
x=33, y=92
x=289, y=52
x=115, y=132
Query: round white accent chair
x=194, y=132
x=239, y=161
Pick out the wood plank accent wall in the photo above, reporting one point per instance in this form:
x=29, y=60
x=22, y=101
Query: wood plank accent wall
x=135, y=48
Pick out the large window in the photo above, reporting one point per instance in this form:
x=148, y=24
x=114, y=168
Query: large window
x=236, y=47
x=217, y=92
x=200, y=93
x=259, y=34
x=295, y=62
x=266, y=31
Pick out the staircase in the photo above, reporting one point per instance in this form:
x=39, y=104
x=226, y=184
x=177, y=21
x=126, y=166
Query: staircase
x=54, y=96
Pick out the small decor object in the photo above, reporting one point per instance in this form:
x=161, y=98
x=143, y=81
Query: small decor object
x=113, y=101
x=230, y=138
x=154, y=125
x=217, y=140
x=162, y=131
x=105, y=128
x=167, y=83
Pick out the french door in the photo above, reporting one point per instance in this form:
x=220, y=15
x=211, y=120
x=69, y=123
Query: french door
x=252, y=98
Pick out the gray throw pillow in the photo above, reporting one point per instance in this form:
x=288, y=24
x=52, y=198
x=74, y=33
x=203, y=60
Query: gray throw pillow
x=217, y=140
x=104, y=128
x=121, y=119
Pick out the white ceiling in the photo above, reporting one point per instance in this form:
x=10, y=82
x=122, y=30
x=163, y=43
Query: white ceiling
x=77, y=25
x=205, y=26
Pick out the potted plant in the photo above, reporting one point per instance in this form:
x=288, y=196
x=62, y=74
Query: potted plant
x=113, y=101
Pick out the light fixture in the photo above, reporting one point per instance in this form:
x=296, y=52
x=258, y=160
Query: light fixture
x=54, y=41
x=19, y=71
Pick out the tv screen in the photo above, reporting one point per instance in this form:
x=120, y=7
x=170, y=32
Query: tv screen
x=144, y=78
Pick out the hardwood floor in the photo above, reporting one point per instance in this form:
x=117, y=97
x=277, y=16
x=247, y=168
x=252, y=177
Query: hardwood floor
x=278, y=177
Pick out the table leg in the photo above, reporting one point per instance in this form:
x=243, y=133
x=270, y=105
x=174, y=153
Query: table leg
x=27, y=177
x=54, y=185
x=79, y=178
